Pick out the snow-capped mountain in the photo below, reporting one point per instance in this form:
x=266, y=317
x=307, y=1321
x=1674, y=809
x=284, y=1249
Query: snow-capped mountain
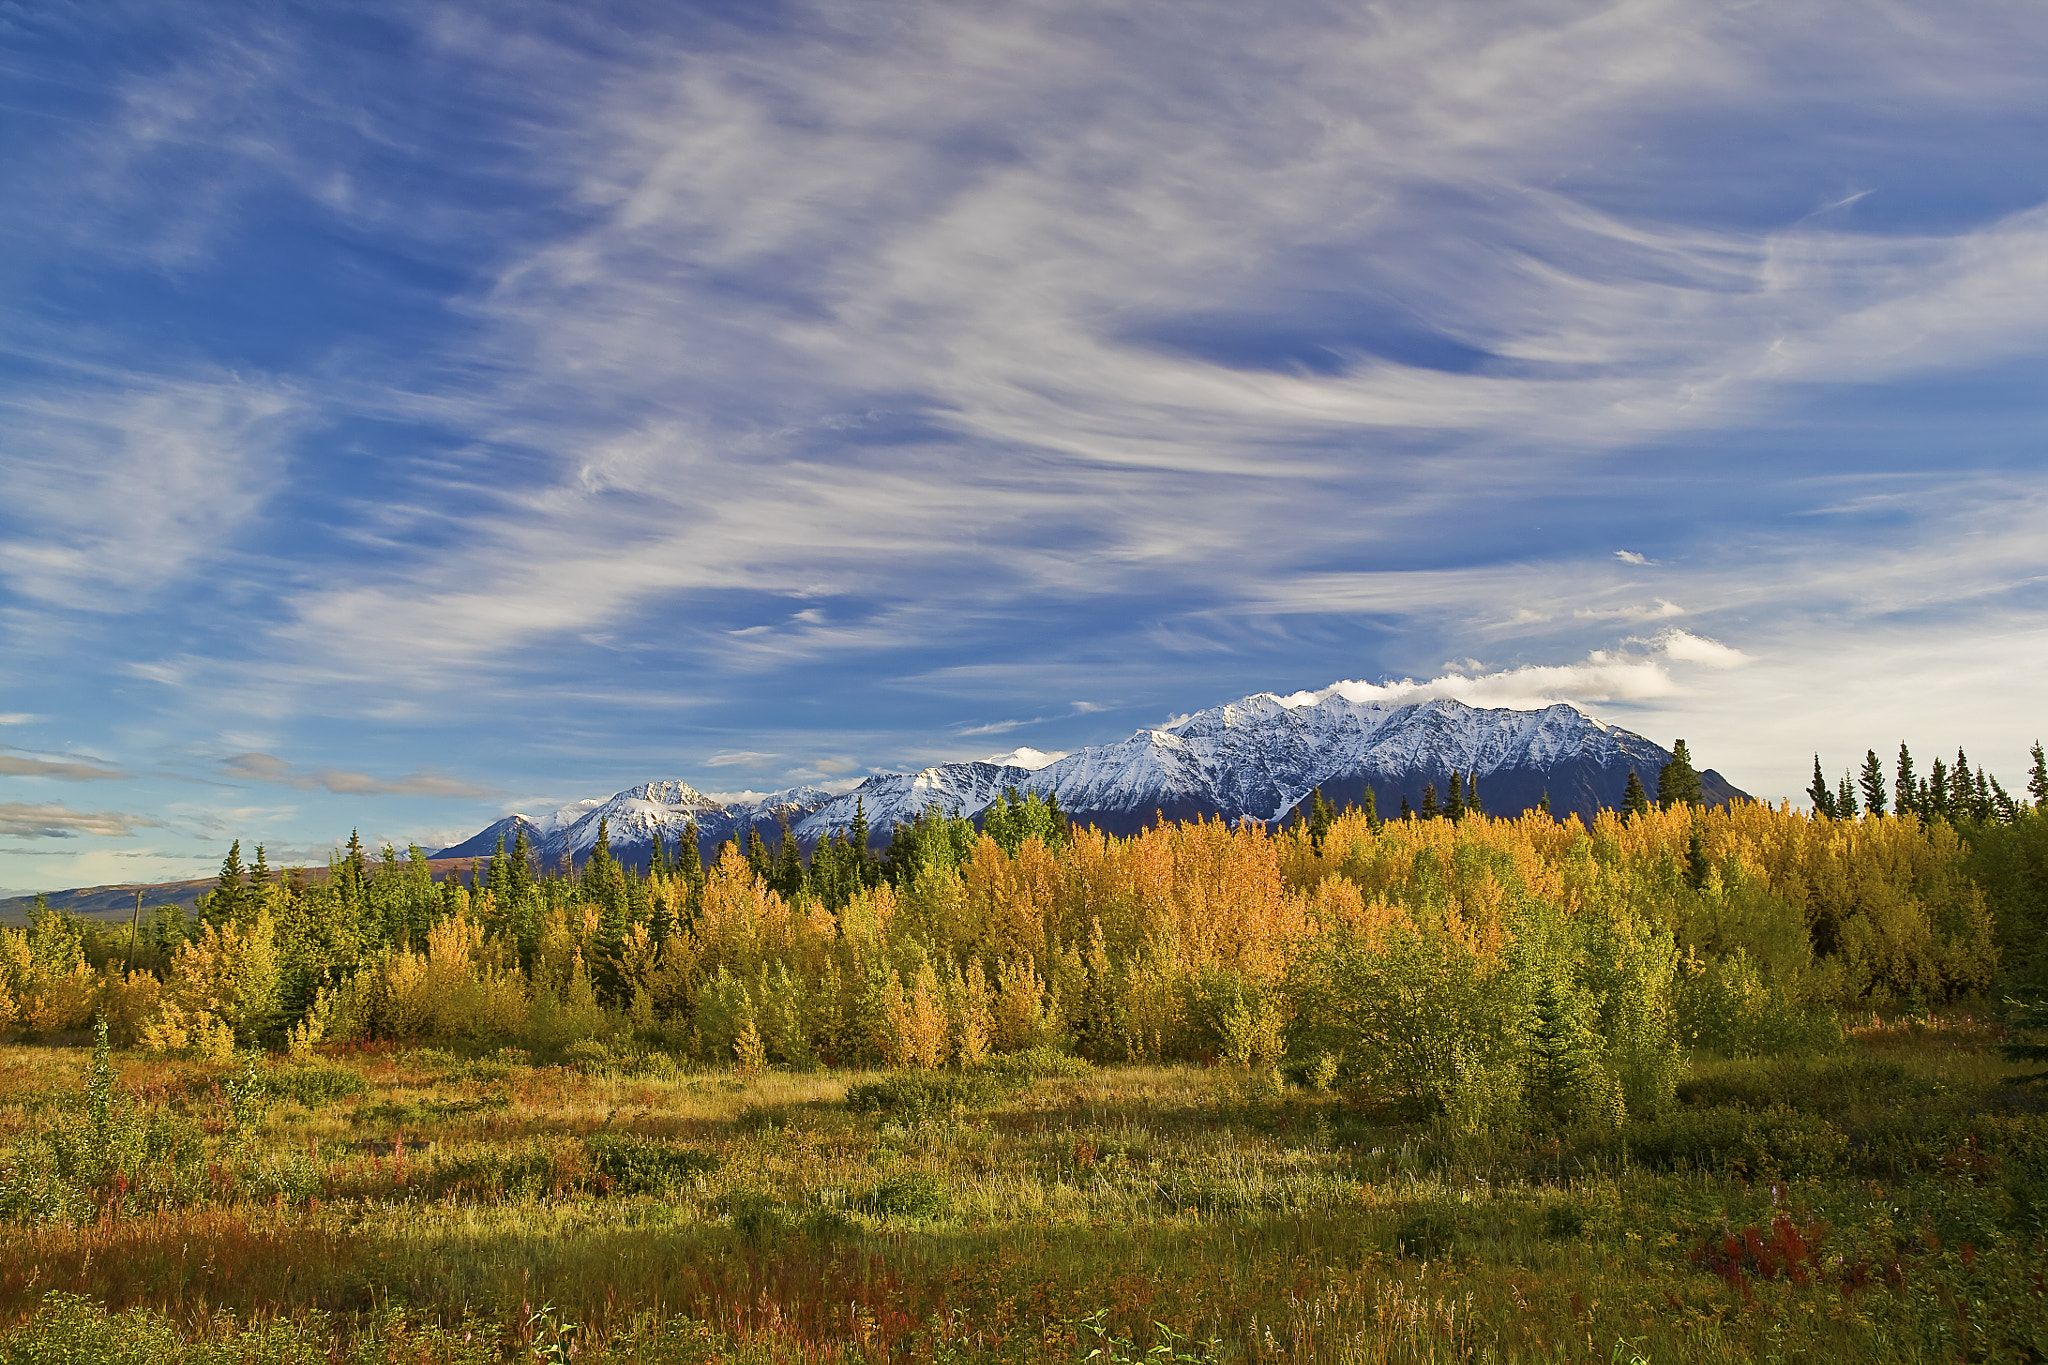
x=1256, y=758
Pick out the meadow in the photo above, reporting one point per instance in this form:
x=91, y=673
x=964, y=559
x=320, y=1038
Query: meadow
x=1882, y=1201
x=1678, y=1084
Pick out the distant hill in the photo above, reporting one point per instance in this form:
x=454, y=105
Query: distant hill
x=117, y=903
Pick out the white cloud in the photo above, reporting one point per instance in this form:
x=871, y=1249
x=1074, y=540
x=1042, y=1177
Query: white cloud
x=1631, y=557
x=1633, y=675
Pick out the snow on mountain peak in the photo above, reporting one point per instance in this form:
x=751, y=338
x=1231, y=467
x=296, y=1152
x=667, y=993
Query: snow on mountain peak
x=1025, y=757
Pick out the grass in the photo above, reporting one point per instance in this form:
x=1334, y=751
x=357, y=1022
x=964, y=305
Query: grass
x=1888, y=1202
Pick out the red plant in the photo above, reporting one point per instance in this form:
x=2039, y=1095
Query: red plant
x=1787, y=1250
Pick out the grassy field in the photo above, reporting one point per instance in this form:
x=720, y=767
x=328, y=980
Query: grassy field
x=1886, y=1202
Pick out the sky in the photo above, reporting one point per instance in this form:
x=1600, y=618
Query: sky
x=415, y=412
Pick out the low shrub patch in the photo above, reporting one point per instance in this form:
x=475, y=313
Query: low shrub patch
x=635, y=1164
x=929, y=1094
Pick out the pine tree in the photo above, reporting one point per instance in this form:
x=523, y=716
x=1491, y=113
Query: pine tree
x=2037, y=778
x=1429, y=807
x=521, y=871
x=1407, y=812
x=1981, y=805
x=1845, y=799
x=757, y=856
x=224, y=906
x=1454, y=805
x=1934, y=803
x=1962, y=788
x=857, y=835
x=689, y=864
x=259, y=871
x=789, y=866
x=1819, y=793
x=500, y=879
x=1472, y=806
x=1907, y=789
x=1321, y=816
x=1543, y=803
x=1872, y=782
x=1372, y=810
x=1634, y=800
x=1677, y=782
x=1696, y=864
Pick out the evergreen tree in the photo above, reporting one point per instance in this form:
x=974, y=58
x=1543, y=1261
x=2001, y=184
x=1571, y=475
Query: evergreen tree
x=1678, y=784
x=1872, y=782
x=857, y=835
x=1454, y=805
x=521, y=870
x=1845, y=799
x=1372, y=810
x=1696, y=864
x=225, y=905
x=757, y=856
x=1982, y=807
x=1962, y=788
x=689, y=865
x=1056, y=819
x=1634, y=800
x=500, y=877
x=1322, y=815
x=1429, y=807
x=1934, y=804
x=259, y=872
x=1823, y=799
x=1543, y=803
x=657, y=856
x=1907, y=789
x=1406, y=812
x=1472, y=806
x=2037, y=778
x=789, y=866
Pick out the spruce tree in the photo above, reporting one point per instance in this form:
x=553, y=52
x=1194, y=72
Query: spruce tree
x=1845, y=799
x=1678, y=784
x=2037, y=778
x=521, y=870
x=1634, y=800
x=1543, y=804
x=1429, y=807
x=225, y=905
x=1962, y=788
x=757, y=856
x=1872, y=782
x=1906, y=790
x=1407, y=812
x=1472, y=806
x=1818, y=792
x=857, y=834
x=1934, y=801
x=1696, y=864
x=500, y=880
x=789, y=866
x=1372, y=810
x=1454, y=805
x=259, y=871
x=1321, y=816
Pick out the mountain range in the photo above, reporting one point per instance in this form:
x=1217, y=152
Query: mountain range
x=1256, y=758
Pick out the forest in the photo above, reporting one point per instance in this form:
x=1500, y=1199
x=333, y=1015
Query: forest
x=1382, y=1031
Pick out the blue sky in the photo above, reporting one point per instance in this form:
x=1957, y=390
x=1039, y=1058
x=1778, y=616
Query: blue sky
x=414, y=412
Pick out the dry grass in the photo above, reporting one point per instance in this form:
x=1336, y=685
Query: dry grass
x=462, y=1209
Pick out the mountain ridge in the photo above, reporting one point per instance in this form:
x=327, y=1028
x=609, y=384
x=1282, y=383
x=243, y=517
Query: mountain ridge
x=1254, y=758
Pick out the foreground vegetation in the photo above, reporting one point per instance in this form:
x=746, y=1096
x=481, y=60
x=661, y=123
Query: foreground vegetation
x=1678, y=1084
x=1882, y=1201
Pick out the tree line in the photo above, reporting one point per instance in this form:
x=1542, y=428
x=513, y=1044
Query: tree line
x=1468, y=964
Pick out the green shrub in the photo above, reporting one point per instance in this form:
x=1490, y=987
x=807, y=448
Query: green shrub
x=1035, y=1063
x=314, y=1083
x=912, y=1194
x=1778, y=1141
x=753, y=1213
x=421, y=1113
x=634, y=1164
x=526, y=1171
x=917, y=1095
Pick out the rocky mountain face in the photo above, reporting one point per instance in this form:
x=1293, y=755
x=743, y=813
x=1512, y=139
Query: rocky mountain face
x=1257, y=758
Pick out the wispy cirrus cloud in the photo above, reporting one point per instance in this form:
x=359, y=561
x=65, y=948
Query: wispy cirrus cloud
x=17, y=763
x=19, y=820
x=262, y=767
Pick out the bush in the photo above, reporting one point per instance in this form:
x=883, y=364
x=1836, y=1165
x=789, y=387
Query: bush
x=635, y=1164
x=912, y=1194
x=314, y=1084
x=1035, y=1063
x=928, y=1094
x=1778, y=1141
